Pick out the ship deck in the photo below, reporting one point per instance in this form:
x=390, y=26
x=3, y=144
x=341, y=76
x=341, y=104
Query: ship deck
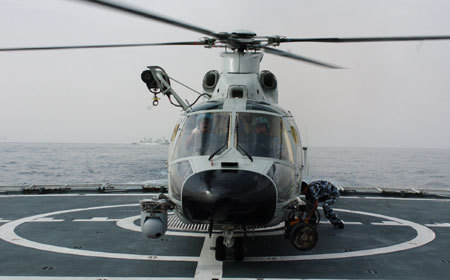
x=80, y=235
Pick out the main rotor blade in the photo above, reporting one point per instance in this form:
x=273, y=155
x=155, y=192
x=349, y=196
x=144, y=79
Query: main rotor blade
x=364, y=39
x=301, y=58
x=103, y=46
x=153, y=16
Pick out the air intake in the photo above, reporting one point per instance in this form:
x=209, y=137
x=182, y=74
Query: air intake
x=268, y=80
x=210, y=80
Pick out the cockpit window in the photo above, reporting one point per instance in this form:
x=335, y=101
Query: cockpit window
x=203, y=134
x=263, y=135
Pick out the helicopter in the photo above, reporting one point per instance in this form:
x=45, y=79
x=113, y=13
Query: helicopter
x=236, y=160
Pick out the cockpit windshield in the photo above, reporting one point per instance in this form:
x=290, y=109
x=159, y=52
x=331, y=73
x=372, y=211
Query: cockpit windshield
x=263, y=135
x=203, y=134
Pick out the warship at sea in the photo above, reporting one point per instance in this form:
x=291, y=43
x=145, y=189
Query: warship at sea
x=151, y=141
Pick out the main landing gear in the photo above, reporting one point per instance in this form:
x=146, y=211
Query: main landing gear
x=303, y=236
x=301, y=232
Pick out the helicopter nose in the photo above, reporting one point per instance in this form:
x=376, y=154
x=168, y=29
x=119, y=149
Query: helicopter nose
x=229, y=197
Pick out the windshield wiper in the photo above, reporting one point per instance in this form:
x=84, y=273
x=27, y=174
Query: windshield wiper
x=245, y=152
x=218, y=150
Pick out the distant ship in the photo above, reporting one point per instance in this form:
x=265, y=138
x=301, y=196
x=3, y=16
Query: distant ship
x=150, y=141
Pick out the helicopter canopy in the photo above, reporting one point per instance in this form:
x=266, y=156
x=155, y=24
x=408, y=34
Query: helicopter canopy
x=263, y=135
x=203, y=134
x=255, y=134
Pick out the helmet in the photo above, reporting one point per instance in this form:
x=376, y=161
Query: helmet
x=260, y=120
x=203, y=117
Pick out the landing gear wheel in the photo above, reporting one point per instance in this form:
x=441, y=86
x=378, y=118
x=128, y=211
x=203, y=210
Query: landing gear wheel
x=220, y=249
x=239, y=249
x=303, y=237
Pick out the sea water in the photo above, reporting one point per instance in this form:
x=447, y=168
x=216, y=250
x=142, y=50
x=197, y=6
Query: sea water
x=63, y=163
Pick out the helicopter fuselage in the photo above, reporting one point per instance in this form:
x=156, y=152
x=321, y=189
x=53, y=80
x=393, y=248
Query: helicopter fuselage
x=225, y=167
x=235, y=159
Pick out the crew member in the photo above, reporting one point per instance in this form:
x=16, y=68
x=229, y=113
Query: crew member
x=322, y=191
x=200, y=135
x=261, y=138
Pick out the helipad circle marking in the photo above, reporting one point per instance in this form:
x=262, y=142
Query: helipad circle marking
x=424, y=236
x=7, y=233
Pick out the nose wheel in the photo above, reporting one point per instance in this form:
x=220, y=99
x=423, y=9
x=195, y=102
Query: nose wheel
x=220, y=249
x=238, y=249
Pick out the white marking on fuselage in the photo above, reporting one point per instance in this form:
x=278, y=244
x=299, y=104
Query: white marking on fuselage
x=208, y=267
x=96, y=219
x=438, y=225
x=4, y=221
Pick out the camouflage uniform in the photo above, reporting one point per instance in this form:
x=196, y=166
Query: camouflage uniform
x=327, y=193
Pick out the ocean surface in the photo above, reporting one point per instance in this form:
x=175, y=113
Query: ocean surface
x=58, y=163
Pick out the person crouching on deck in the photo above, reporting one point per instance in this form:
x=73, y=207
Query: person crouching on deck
x=322, y=191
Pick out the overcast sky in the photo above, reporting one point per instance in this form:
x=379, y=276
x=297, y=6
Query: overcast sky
x=391, y=94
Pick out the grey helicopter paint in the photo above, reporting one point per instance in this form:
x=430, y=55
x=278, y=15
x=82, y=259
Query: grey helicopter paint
x=228, y=176
x=238, y=99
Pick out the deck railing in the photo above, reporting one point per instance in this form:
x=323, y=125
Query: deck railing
x=108, y=188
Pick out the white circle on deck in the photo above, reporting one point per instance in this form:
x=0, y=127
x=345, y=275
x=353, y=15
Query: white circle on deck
x=7, y=233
